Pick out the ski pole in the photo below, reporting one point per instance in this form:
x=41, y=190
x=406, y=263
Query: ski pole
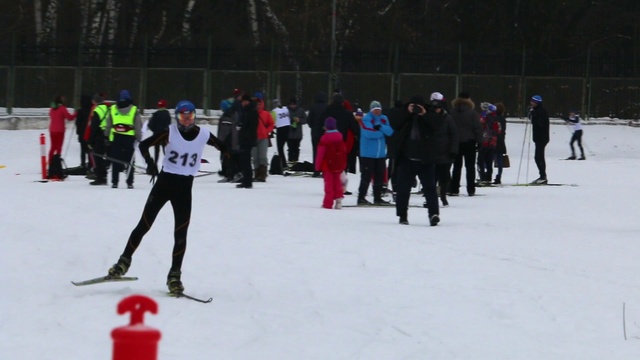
x=132, y=163
x=119, y=161
x=524, y=138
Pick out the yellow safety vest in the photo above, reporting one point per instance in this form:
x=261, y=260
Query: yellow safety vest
x=121, y=122
x=101, y=110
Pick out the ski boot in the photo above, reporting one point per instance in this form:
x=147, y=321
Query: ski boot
x=173, y=282
x=120, y=268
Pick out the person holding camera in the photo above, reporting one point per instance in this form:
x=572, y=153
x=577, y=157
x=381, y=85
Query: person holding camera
x=373, y=153
x=414, y=157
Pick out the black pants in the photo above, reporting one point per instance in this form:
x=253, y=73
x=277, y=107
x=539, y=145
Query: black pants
x=99, y=150
x=282, y=135
x=407, y=172
x=577, y=136
x=314, y=143
x=539, y=158
x=371, y=167
x=293, y=149
x=177, y=190
x=121, y=149
x=443, y=178
x=244, y=157
x=393, y=177
x=85, y=159
x=466, y=152
x=486, y=156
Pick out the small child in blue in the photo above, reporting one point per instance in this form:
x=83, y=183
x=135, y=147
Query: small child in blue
x=574, y=120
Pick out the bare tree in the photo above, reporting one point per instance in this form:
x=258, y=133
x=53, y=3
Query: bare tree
x=186, y=21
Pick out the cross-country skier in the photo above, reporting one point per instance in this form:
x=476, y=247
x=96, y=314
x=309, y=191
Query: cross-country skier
x=184, y=142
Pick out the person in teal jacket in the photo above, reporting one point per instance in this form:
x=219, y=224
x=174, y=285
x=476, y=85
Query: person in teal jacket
x=373, y=153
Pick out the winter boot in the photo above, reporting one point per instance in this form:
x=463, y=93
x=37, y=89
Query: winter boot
x=403, y=220
x=262, y=173
x=572, y=157
x=338, y=205
x=120, y=268
x=539, y=181
x=434, y=219
x=582, y=157
x=173, y=282
x=363, y=201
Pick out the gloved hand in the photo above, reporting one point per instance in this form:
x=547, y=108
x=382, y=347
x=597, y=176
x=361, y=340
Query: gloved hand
x=377, y=127
x=152, y=169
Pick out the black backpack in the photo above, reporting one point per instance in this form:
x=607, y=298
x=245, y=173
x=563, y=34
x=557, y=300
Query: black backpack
x=276, y=165
x=57, y=168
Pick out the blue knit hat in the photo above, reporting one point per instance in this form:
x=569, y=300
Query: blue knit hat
x=536, y=98
x=125, y=95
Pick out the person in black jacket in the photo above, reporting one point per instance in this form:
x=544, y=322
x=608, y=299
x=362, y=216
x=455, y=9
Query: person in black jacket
x=97, y=140
x=160, y=121
x=443, y=144
x=316, y=123
x=540, y=132
x=395, y=115
x=82, y=120
x=502, y=146
x=247, y=138
x=414, y=157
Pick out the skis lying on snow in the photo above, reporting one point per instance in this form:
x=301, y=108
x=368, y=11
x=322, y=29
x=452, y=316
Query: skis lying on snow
x=183, y=295
x=547, y=184
x=298, y=173
x=379, y=206
x=104, y=279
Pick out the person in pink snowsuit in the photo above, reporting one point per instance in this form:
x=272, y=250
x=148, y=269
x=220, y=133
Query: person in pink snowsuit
x=331, y=159
x=57, y=114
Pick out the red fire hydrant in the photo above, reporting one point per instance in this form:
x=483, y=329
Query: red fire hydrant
x=136, y=341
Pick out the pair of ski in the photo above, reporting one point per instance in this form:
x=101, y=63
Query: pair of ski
x=105, y=279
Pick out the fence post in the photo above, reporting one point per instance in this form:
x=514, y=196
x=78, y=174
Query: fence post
x=11, y=76
x=459, y=74
x=142, y=90
x=395, y=93
x=523, y=83
x=77, y=80
x=206, y=101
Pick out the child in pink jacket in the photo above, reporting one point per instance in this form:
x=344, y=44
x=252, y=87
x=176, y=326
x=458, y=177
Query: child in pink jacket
x=331, y=159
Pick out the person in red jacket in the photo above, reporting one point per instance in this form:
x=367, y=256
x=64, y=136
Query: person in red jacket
x=331, y=159
x=259, y=152
x=57, y=115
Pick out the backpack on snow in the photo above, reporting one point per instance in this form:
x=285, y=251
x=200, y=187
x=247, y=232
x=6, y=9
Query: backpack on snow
x=57, y=168
x=275, y=168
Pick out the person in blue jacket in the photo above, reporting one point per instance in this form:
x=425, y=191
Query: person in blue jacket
x=373, y=153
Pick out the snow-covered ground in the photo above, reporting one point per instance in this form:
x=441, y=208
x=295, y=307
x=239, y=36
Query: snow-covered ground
x=521, y=273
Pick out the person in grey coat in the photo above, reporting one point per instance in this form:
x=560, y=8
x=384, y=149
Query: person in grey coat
x=467, y=121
